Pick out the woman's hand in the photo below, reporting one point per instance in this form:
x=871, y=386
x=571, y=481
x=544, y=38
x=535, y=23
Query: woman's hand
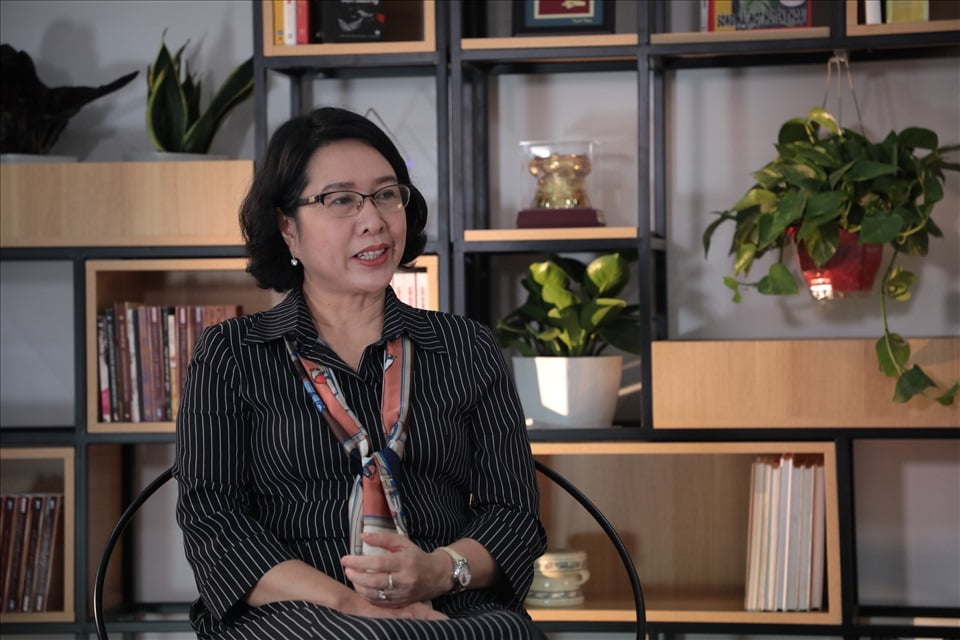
x=405, y=575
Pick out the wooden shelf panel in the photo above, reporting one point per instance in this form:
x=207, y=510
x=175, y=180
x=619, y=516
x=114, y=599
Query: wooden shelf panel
x=753, y=35
x=685, y=526
x=47, y=470
x=551, y=42
x=519, y=235
x=102, y=204
x=425, y=44
x=764, y=384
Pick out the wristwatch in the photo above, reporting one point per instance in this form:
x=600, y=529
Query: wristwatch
x=461, y=570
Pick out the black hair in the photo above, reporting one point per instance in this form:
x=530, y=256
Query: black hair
x=279, y=181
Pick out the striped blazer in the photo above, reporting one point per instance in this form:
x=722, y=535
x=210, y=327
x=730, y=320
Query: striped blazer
x=262, y=479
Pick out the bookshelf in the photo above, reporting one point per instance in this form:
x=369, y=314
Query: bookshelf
x=31, y=471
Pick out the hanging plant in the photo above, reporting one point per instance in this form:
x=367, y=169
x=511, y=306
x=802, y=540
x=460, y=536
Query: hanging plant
x=827, y=180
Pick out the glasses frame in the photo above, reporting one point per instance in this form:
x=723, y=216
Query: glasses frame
x=406, y=192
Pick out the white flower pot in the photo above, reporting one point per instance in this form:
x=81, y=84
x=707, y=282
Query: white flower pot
x=568, y=392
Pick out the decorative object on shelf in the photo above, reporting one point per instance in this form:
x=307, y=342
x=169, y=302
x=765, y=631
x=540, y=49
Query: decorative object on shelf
x=32, y=115
x=352, y=20
x=907, y=10
x=561, y=200
x=175, y=122
x=557, y=579
x=743, y=15
x=570, y=316
x=540, y=17
x=822, y=186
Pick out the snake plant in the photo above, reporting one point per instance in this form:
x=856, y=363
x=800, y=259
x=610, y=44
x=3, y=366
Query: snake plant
x=174, y=119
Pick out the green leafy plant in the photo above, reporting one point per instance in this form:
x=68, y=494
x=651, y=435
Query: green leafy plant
x=571, y=309
x=32, y=115
x=824, y=179
x=174, y=119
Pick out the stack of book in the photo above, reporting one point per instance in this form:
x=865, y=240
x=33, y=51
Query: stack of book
x=29, y=527
x=316, y=21
x=785, y=542
x=412, y=287
x=143, y=352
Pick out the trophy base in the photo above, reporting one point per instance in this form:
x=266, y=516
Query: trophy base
x=548, y=218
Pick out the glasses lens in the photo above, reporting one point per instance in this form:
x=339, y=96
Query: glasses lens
x=393, y=197
x=341, y=203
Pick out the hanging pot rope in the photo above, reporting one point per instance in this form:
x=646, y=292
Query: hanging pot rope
x=842, y=63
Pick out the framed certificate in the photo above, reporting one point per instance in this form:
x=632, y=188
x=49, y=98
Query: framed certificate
x=540, y=17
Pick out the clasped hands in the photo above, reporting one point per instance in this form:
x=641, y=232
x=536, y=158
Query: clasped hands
x=405, y=576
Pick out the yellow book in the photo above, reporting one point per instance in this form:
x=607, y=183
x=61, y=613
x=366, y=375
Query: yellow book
x=278, y=21
x=908, y=10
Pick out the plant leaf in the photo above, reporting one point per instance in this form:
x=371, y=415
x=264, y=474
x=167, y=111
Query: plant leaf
x=735, y=286
x=606, y=275
x=235, y=89
x=946, y=398
x=778, y=281
x=825, y=120
x=880, y=229
x=911, y=383
x=745, y=256
x=919, y=138
x=892, y=354
x=869, y=169
x=898, y=284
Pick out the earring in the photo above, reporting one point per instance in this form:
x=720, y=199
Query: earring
x=294, y=261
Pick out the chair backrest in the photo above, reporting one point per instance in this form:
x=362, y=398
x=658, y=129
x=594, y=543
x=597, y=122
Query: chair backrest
x=553, y=475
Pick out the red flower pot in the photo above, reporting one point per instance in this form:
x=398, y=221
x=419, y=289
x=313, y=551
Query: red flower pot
x=850, y=271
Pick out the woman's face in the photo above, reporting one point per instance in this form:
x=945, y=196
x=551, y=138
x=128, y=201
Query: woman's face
x=347, y=255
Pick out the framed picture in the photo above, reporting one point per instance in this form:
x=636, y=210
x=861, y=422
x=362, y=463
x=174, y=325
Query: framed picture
x=540, y=17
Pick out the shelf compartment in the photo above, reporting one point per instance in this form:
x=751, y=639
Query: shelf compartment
x=944, y=16
x=102, y=204
x=684, y=522
x=182, y=281
x=426, y=42
x=764, y=384
x=46, y=470
x=550, y=42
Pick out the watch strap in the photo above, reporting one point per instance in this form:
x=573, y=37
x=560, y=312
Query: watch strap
x=459, y=564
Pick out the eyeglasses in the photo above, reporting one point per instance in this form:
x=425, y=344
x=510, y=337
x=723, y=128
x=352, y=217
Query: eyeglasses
x=344, y=204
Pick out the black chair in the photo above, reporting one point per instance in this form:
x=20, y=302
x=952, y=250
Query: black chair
x=562, y=482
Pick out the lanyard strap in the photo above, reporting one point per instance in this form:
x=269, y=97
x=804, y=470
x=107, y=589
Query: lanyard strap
x=375, y=500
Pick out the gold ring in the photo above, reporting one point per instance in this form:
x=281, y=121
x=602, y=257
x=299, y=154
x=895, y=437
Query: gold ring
x=389, y=581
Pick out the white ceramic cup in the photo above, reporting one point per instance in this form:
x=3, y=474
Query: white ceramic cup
x=556, y=563
x=565, y=581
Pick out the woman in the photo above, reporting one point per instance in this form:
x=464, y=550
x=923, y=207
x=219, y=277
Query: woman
x=349, y=466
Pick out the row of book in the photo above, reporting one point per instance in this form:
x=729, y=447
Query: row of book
x=315, y=21
x=143, y=352
x=737, y=15
x=29, y=529
x=412, y=287
x=786, y=534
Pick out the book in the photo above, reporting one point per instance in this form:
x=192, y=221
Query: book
x=873, y=11
x=769, y=591
x=907, y=11
x=15, y=553
x=123, y=362
x=8, y=506
x=49, y=532
x=156, y=364
x=783, y=532
x=805, y=541
x=30, y=554
x=171, y=375
x=136, y=402
x=303, y=21
x=754, y=525
x=278, y=27
x=289, y=22
x=788, y=597
x=741, y=15
x=103, y=371
x=819, y=538
x=145, y=366
x=110, y=325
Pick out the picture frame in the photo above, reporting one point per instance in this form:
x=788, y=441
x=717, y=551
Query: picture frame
x=542, y=17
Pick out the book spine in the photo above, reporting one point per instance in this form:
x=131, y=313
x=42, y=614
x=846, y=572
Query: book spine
x=172, y=372
x=136, y=407
x=156, y=365
x=9, y=515
x=303, y=22
x=145, y=364
x=110, y=324
x=278, y=22
x=103, y=370
x=123, y=358
x=50, y=528
x=12, y=578
x=30, y=554
x=289, y=22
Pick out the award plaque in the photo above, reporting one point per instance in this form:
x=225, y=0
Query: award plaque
x=560, y=170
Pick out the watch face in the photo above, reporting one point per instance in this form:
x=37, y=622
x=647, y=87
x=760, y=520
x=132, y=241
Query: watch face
x=463, y=574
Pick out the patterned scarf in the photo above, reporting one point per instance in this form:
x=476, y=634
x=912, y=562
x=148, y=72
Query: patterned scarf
x=375, y=500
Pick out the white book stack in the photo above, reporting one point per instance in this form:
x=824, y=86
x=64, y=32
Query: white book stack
x=785, y=540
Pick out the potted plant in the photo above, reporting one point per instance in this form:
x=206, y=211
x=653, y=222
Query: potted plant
x=830, y=188
x=32, y=115
x=175, y=122
x=570, y=317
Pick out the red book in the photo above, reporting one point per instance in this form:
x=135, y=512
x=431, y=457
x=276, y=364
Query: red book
x=303, y=22
x=49, y=531
x=28, y=570
x=15, y=558
x=8, y=508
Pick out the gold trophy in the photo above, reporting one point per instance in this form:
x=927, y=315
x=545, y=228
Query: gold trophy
x=561, y=200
